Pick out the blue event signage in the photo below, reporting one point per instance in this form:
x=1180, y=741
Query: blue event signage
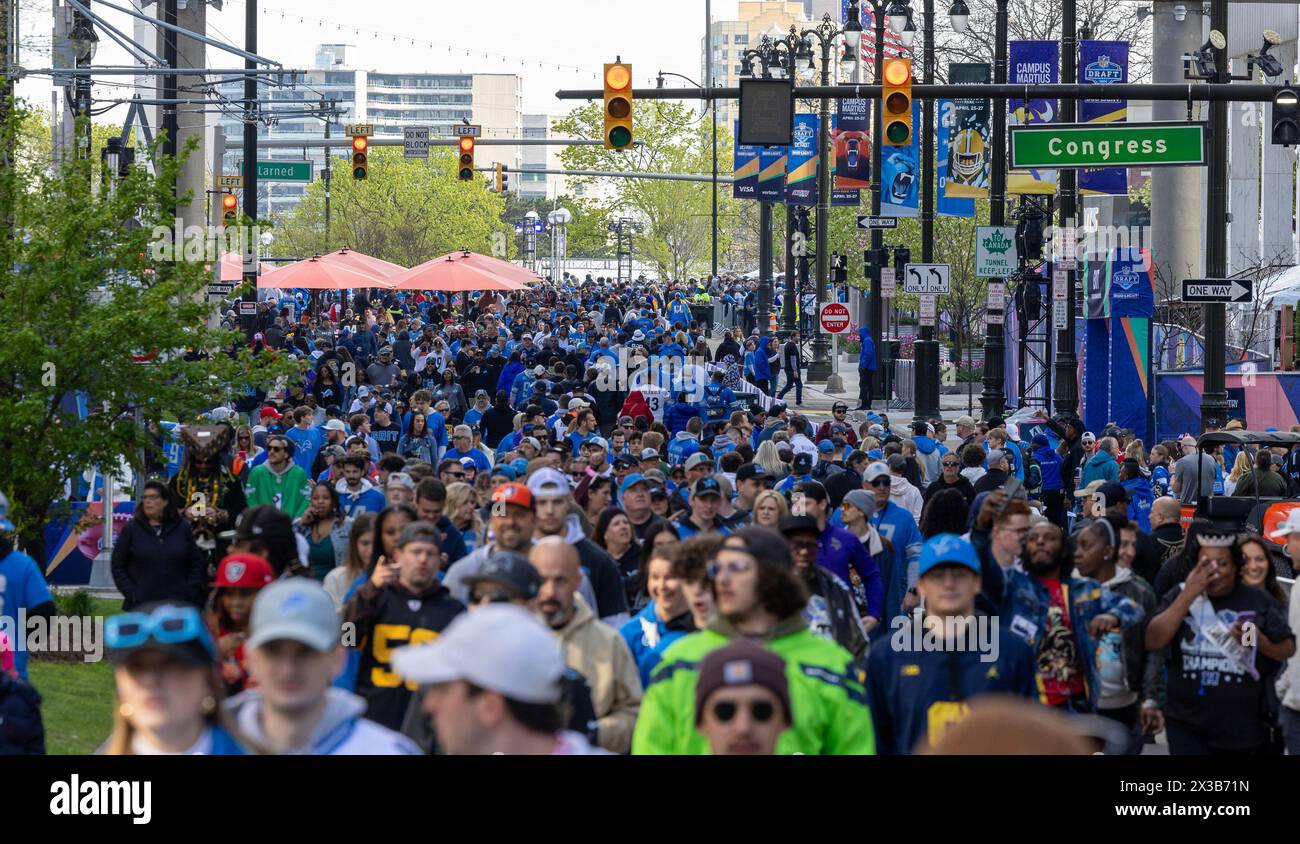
x=945, y=205
x=1103, y=63
x=801, y=163
x=745, y=169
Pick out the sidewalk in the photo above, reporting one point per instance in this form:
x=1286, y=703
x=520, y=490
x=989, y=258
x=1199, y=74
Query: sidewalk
x=817, y=400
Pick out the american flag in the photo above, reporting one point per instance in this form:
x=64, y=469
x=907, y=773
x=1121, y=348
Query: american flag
x=894, y=47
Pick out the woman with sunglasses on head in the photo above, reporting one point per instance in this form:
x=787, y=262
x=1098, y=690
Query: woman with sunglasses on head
x=169, y=692
x=155, y=558
x=245, y=451
x=1215, y=626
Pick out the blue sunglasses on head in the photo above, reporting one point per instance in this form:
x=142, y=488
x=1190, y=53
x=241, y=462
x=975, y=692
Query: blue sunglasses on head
x=164, y=626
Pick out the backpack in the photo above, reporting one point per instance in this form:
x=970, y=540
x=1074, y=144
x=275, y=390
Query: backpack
x=22, y=732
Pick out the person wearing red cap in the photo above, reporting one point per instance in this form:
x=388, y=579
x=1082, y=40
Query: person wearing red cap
x=239, y=578
x=511, y=524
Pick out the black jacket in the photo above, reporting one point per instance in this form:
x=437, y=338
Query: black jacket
x=151, y=567
x=21, y=731
x=845, y=622
x=498, y=420
x=791, y=359
x=963, y=486
x=992, y=479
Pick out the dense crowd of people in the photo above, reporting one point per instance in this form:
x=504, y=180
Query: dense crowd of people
x=568, y=521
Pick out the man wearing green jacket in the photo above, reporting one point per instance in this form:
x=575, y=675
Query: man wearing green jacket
x=279, y=481
x=759, y=598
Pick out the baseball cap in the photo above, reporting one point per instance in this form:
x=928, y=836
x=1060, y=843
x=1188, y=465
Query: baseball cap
x=875, y=470
x=825, y=446
x=243, y=571
x=386, y=350
x=503, y=471
x=335, y=425
x=533, y=441
x=1113, y=491
x=575, y=403
x=1290, y=525
x=548, y=483
x=631, y=481
x=796, y=524
x=649, y=454
x=467, y=462
x=742, y=663
x=706, y=486
x=626, y=461
x=625, y=420
x=1188, y=440
x=597, y=441
x=499, y=647
x=697, y=459
x=401, y=479
x=270, y=412
x=947, y=548
x=482, y=394
x=863, y=500
x=363, y=390
x=513, y=493
x=964, y=421
x=298, y=609
x=752, y=472
x=802, y=462
x=1039, y=439
x=512, y=570
x=1089, y=436
x=896, y=462
x=539, y=370
x=996, y=455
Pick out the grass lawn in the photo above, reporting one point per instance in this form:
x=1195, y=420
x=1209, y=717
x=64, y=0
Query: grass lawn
x=77, y=698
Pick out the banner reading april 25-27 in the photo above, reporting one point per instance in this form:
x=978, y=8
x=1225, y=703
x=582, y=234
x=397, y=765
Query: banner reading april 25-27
x=1103, y=63
x=968, y=139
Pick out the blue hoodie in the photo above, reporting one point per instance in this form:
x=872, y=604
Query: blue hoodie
x=1049, y=464
x=1101, y=466
x=507, y=379
x=762, y=371
x=676, y=417
x=929, y=453
x=647, y=637
x=1140, y=499
x=866, y=357
x=681, y=447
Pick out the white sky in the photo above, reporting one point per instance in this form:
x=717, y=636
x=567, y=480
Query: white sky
x=516, y=35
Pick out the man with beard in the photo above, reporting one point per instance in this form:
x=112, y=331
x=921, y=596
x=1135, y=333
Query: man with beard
x=759, y=598
x=1063, y=619
x=593, y=649
x=917, y=693
x=208, y=493
x=511, y=524
x=402, y=603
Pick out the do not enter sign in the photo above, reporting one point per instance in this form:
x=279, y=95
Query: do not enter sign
x=834, y=318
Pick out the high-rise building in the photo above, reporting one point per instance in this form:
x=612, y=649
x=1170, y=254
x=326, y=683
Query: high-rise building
x=755, y=18
x=390, y=101
x=539, y=157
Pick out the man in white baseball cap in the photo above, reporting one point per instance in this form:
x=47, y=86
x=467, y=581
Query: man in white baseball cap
x=492, y=682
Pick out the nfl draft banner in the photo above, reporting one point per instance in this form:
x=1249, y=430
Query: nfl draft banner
x=945, y=205
x=744, y=169
x=801, y=163
x=771, y=174
x=1117, y=350
x=900, y=175
x=1032, y=63
x=1103, y=63
x=968, y=141
x=851, y=141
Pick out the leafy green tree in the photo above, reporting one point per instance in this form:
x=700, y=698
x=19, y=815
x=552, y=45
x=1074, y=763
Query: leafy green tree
x=588, y=233
x=85, y=290
x=676, y=215
x=407, y=212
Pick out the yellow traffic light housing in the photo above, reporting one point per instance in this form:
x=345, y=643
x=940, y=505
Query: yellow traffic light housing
x=466, y=166
x=360, y=157
x=896, y=102
x=500, y=178
x=618, y=105
x=229, y=209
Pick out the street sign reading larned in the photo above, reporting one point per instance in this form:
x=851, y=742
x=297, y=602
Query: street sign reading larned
x=926, y=278
x=1071, y=146
x=834, y=318
x=868, y=222
x=1213, y=290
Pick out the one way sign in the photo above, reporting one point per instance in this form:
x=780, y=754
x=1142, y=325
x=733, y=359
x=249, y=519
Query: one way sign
x=1210, y=290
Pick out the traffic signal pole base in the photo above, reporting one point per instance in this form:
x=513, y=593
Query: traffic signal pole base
x=819, y=371
x=834, y=384
x=925, y=353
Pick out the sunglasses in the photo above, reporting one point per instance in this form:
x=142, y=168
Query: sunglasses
x=881, y=482
x=165, y=626
x=276, y=448
x=456, y=475
x=734, y=567
x=949, y=464
x=761, y=711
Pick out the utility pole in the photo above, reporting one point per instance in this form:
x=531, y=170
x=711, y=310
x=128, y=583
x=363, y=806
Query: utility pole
x=875, y=306
x=326, y=174
x=713, y=111
x=993, y=399
x=1214, y=396
x=249, y=321
x=1065, y=398
x=926, y=350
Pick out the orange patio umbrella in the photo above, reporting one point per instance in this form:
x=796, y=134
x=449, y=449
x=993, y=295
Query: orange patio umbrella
x=369, y=264
x=505, y=269
x=451, y=274
x=318, y=274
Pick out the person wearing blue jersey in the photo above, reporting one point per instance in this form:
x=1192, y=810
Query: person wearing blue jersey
x=938, y=659
x=894, y=523
x=718, y=398
x=307, y=438
x=866, y=367
x=22, y=589
x=462, y=442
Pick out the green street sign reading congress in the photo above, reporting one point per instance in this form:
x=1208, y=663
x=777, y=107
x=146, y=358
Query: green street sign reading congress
x=282, y=171
x=1075, y=145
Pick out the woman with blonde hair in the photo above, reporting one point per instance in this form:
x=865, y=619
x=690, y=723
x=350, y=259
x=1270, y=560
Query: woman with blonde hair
x=770, y=459
x=462, y=509
x=769, y=509
x=169, y=690
x=1240, y=466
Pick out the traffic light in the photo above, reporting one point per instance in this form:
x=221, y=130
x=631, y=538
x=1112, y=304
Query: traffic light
x=902, y=257
x=466, y=166
x=501, y=178
x=1286, y=108
x=896, y=98
x=618, y=105
x=360, y=157
x=229, y=209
